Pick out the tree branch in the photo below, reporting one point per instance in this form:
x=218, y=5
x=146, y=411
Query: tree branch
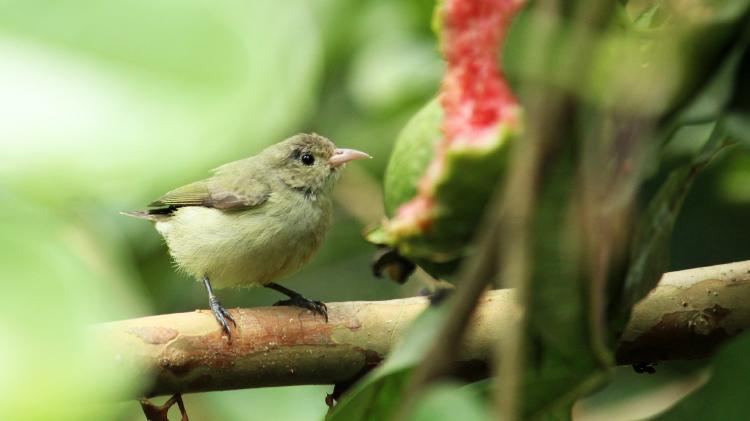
x=686, y=316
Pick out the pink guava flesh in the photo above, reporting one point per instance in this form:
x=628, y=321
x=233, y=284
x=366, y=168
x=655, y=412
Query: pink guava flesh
x=474, y=96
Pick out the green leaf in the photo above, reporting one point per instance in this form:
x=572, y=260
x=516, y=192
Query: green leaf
x=484, y=389
x=563, y=360
x=726, y=87
x=651, y=65
x=724, y=396
x=647, y=18
x=450, y=402
x=378, y=394
x=146, y=93
x=651, y=244
x=737, y=121
x=713, y=98
x=57, y=283
x=392, y=70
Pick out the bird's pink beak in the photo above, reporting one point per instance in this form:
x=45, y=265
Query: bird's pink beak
x=342, y=156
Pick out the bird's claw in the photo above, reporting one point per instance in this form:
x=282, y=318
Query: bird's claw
x=221, y=315
x=300, y=301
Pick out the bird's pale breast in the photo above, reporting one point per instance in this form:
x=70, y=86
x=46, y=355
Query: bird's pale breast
x=251, y=247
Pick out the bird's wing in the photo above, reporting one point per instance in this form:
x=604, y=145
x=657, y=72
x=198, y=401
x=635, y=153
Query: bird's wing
x=226, y=195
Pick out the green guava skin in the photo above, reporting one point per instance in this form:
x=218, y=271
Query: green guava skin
x=417, y=141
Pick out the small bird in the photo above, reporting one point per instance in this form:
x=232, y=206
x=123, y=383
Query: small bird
x=255, y=220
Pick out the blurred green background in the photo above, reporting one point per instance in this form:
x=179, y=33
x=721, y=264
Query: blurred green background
x=106, y=105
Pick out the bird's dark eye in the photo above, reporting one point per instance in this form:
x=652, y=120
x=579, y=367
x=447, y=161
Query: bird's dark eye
x=307, y=159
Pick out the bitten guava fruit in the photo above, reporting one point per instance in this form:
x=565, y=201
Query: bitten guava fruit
x=449, y=157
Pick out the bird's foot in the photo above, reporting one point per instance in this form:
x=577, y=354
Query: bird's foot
x=222, y=316
x=300, y=301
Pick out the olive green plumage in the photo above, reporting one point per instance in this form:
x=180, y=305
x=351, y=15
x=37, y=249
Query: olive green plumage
x=255, y=220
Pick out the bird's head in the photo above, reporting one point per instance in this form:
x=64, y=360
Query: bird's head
x=310, y=162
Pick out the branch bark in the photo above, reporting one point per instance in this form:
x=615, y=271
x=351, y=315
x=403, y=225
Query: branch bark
x=686, y=316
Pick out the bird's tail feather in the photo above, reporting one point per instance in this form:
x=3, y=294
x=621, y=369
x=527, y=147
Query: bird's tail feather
x=142, y=214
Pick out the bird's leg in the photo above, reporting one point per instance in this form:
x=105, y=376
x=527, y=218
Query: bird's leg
x=221, y=315
x=296, y=299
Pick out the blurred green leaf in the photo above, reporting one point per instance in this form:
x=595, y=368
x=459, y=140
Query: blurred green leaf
x=145, y=93
x=724, y=396
x=647, y=19
x=388, y=72
x=722, y=89
x=650, y=247
x=450, y=402
x=668, y=58
x=378, y=394
x=650, y=67
x=737, y=121
x=563, y=361
x=734, y=181
x=54, y=291
x=635, y=396
x=294, y=403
